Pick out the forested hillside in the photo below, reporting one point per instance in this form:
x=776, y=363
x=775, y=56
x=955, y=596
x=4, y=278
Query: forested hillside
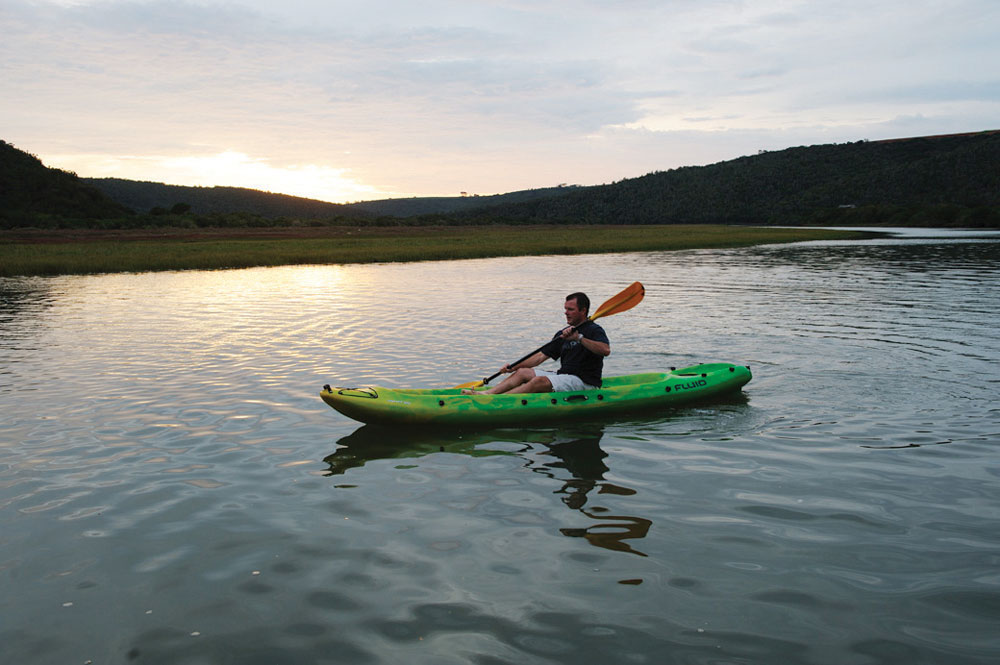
x=158, y=198
x=149, y=196
x=933, y=180
x=930, y=181
x=31, y=192
x=426, y=205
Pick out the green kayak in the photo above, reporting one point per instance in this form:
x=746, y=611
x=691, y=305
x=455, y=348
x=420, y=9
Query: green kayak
x=447, y=407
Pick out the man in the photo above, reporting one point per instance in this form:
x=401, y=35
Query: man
x=581, y=352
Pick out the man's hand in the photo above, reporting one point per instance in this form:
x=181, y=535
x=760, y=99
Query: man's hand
x=570, y=334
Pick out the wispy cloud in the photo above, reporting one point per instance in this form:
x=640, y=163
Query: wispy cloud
x=398, y=98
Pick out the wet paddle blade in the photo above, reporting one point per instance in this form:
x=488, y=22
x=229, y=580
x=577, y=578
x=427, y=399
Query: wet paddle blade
x=470, y=384
x=622, y=302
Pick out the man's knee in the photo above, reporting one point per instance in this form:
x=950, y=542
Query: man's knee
x=540, y=384
x=524, y=375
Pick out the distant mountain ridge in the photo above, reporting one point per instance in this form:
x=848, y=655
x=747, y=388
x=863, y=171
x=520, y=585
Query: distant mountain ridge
x=143, y=196
x=425, y=205
x=952, y=179
x=949, y=180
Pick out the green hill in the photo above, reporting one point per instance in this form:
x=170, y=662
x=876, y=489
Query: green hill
x=146, y=196
x=34, y=194
x=159, y=197
x=949, y=180
x=944, y=180
x=430, y=205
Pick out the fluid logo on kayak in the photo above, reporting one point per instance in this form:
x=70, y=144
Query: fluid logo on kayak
x=692, y=385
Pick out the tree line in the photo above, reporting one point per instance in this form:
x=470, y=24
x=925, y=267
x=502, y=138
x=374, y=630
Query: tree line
x=928, y=181
x=950, y=180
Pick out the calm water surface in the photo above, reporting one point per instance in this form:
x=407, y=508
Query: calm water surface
x=172, y=490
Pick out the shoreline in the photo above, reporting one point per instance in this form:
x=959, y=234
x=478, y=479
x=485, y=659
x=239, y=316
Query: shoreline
x=31, y=253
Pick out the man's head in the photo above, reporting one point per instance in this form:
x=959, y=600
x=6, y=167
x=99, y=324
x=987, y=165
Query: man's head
x=577, y=308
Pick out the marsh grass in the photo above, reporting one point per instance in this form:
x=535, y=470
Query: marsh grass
x=22, y=255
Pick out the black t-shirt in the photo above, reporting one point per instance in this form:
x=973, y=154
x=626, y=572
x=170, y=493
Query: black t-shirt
x=577, y=360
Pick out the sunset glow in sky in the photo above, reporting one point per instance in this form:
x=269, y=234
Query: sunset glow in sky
x=347, y=101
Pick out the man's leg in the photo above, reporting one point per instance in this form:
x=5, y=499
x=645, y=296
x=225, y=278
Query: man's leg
x=511, y=381
x=539, y=384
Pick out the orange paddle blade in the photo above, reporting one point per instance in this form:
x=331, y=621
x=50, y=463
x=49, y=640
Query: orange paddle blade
x=622, y=302
x=470, y=384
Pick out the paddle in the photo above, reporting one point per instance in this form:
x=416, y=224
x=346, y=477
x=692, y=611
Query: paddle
x=626, y=300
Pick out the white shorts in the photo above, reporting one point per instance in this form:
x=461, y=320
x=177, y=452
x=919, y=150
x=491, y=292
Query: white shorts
x=564, y=382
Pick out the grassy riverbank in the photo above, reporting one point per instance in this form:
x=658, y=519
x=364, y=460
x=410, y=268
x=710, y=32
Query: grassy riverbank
x=82, y=252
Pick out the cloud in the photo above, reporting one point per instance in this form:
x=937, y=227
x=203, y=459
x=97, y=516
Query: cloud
x=445, y=96
x=233, y=169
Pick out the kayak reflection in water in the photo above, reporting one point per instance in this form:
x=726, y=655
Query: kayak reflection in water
x=581, y=346
x=571, y=456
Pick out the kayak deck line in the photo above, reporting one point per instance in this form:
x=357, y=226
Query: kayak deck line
x=449, y=407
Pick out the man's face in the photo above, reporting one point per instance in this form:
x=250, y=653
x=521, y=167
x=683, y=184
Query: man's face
x=574, y=315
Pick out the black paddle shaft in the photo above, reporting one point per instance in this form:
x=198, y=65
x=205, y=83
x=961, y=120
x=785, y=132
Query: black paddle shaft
x=522, y=359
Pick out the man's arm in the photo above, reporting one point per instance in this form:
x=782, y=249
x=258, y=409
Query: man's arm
x=592, y=345
x=598, y=348
x=536, y=359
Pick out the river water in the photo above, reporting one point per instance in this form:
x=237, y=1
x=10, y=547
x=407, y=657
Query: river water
x=172, y=489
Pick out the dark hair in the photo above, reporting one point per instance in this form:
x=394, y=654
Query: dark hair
x=582, y=301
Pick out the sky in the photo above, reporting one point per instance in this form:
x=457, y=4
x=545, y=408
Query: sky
x=370, y=99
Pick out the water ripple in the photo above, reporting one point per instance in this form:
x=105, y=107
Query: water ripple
x=172, y=490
